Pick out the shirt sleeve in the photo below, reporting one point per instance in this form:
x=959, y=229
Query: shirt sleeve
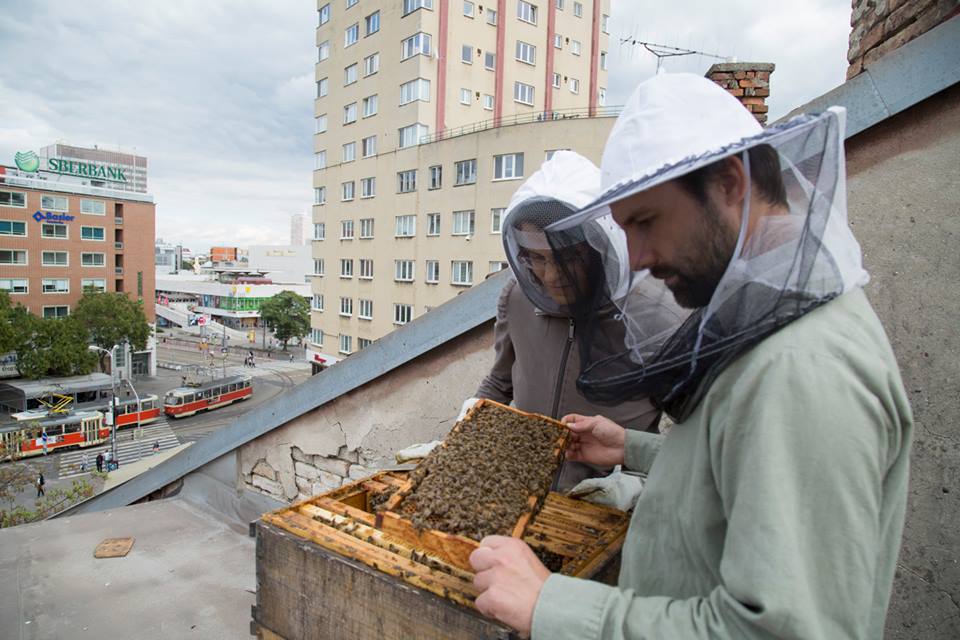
x=798, y=454
x=640, y=449
x=498, y=384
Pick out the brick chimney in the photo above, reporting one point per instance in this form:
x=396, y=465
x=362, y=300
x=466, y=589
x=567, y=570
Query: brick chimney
x=748, y=82
x=880, y=26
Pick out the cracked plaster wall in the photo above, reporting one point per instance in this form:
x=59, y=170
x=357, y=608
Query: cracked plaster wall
x=361, y=430
x=904, y=199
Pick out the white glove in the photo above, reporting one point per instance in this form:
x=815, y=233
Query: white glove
x=417, y=451
x=618, y=490
x=467, y=405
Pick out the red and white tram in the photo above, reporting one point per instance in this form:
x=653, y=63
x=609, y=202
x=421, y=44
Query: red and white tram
x=127, y=411
x=76, y=429
x=213, y=394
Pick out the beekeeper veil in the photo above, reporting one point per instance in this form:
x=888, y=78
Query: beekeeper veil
x=569, y=277
x=791, y=255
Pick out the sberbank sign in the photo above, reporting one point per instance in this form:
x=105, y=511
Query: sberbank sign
x=30, y=162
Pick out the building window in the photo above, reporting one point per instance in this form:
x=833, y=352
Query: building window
x=93, y=233
x=346, y=268
x=418, y=89
x=346, y=306
x=322, y=124
x=322, y=85
x=18, y=228
x=55, y=285
x=603, y=60
x=92, y=207
x=371, y=23
x=318, y=266
x=467, y=9
x=402, y=313
x=61, y=258
x=369, y=145
x=58, y=311
x=363, y=343
x=466, y=172
x=58, y=231
x=411, y=135
x=15, y=286
x=602, y=97
x=316, y=337
x=346, y=191
x=323, y=50
x=371, y=64
x=320, y=160
x=488, y=102
x=349, y=152
x=319, y=231
x=463, y=223
x=527, y=12
x=433, y=224
x=417, y=44
x=466, y=96
x=319, y=195
x=370, y=106
x=324, y=12
x=406, y=226
x=407, y=181
x=409, y=6
x=346, y=229
x=574, y=85
x=351, y=35
x=13, y=256
x=508, y=166
x=559, y=5
x=526, y=52
x=53, y=203
x=523, y=93
x=368, y=187
x=575, y=47
x=317, y=302
x=366, y=269
x=17, y=199
x=436, y=176
x=497, y=265
x=490, y=61
x=351, y=3
x=491, y=17
x=578, y=9
x=466, y=54
x=604, y=24
x=496, y=217
x=97, y=285
x=433, y=271
x=350, y=74
x=346, y=345
x=462, y=273
x=366, y=228
x=93, y=259
x=556, y=80
x=403, y=270
x=350, y=113
x=365, y=309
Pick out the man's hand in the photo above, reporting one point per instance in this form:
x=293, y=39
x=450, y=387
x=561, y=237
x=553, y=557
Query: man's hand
x=594, y=439
x=509, y=577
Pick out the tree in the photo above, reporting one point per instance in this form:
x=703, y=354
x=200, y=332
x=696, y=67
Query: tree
x=111, y=318
x=287, y=315
x=53, y=347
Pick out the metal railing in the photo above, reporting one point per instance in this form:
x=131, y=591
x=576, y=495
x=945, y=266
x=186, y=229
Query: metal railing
x=118, y=246
x=118, y=220
x=118, y=271
x=523, y=118
x=13, y=177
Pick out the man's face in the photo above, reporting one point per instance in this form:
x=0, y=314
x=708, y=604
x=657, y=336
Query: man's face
x=561, y=277
x=683, y=242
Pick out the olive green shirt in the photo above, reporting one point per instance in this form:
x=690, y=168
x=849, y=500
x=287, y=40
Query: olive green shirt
x=775, y=510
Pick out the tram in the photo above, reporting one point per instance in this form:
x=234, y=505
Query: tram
x=205, y=396
x=127, y=411
x=76, y=429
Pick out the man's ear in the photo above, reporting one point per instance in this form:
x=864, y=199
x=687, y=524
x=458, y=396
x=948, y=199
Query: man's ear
x=732, y=182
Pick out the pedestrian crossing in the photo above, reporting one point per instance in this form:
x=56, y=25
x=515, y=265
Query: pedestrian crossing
x=128, y=449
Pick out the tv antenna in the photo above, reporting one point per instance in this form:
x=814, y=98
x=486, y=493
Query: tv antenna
x=662, y=51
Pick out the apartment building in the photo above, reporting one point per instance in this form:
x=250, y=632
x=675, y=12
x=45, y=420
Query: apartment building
x=429, y=114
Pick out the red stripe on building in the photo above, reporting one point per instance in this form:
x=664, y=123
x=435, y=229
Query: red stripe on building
x=594, y=57
x=501, y=43
x=551, y=31
x=442, y=68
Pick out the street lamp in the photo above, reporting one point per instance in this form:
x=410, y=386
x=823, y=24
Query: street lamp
x=113, y=399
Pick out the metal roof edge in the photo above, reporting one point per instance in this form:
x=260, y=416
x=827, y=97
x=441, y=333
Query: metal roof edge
x=450, y=320
x=897, y=81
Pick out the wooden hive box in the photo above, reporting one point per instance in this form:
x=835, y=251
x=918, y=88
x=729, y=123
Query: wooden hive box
x=325, y=571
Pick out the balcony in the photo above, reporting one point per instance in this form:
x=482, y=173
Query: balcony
x=118, y=246
x=523, y=118
x=118, y=270
x=118, y=220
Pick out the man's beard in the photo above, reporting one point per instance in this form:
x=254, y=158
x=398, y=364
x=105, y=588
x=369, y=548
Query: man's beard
x=700, y=267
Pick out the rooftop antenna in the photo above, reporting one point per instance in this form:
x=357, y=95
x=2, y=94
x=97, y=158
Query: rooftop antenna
x=662, y=51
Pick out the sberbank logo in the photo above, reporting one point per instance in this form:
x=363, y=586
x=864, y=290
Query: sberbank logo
x=27, y=161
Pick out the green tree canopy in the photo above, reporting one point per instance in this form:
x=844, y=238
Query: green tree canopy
x=287, y=315
x=111, y=318
x=53, y=347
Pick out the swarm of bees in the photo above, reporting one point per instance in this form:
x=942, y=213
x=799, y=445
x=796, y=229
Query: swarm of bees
x=479, y=483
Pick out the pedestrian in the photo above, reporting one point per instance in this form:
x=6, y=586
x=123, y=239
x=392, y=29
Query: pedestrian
x=43, y=441
x=774, y=506
x=156, y=446
x=109, y=460
x=100, y=462
x=291, y=357
x=83, y=462
x=40, y=483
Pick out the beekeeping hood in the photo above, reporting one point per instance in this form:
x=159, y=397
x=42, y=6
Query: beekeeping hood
x=552, y=277
x=791, y=263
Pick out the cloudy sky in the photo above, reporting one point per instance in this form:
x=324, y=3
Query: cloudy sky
x=219, y=94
